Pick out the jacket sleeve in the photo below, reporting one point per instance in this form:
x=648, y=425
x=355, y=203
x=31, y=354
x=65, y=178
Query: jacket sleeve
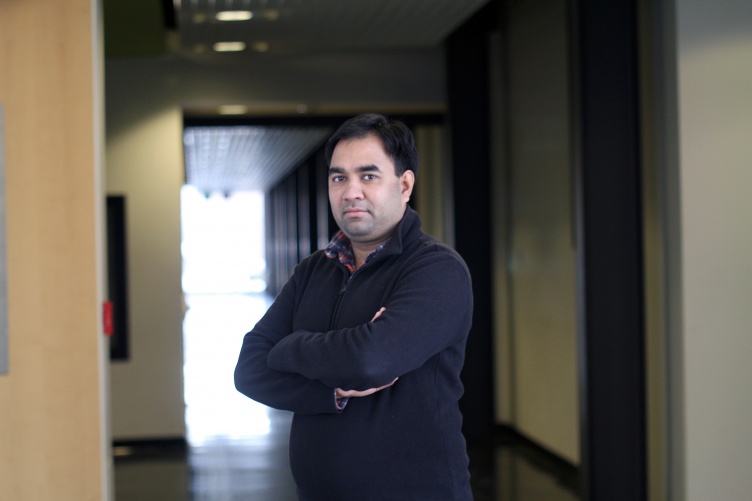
x=429, y=311
x=281, y=390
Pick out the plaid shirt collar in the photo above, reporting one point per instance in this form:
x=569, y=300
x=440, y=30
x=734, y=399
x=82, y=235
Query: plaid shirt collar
x=341, y=248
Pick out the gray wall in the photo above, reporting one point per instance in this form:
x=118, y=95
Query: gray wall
x=711, y=284
x=535, y=285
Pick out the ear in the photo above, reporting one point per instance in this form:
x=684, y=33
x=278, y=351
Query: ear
x=407, y=181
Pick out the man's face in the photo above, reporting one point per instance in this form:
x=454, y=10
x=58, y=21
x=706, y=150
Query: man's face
x=367, y=198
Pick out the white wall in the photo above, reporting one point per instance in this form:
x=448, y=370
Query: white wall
x=145, y=163
x=714, y=55
x=145, y=99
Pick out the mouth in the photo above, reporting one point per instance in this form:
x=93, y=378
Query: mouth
x=354, y=211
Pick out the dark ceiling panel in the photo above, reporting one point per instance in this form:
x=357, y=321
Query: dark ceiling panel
x=135, y=28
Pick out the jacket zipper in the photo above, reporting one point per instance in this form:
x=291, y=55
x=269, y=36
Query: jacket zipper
x=348, y=276
x=339, y=301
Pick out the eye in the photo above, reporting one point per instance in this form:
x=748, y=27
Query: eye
x=369, y=177
x=337, y=179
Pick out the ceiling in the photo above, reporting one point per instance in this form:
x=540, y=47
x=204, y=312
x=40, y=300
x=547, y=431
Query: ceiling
x=246, y=158
x=284, y=26
x=255, y=157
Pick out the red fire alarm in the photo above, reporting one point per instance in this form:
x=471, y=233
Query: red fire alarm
x=109, y=328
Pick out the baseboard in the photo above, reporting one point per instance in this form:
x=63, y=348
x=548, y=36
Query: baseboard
x=155, y=448
x=567, y=473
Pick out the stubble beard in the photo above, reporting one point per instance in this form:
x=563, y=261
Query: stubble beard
x=358, y=229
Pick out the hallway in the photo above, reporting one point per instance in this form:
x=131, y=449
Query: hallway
x=237, y=448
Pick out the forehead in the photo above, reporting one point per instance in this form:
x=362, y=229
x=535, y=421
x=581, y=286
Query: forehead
x=356, y=152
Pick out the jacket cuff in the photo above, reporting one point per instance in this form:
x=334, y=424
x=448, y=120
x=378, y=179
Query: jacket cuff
x=340, y=402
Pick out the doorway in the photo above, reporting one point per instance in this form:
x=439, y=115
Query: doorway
x=224, y=295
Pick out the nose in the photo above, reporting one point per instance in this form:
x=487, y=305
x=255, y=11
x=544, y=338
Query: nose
x=352, y=190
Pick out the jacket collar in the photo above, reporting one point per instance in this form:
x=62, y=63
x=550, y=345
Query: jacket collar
x=406, y=232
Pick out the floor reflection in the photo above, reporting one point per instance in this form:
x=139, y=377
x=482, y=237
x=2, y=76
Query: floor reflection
x=237, y=448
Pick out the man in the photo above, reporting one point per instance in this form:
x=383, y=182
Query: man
x=366, y=341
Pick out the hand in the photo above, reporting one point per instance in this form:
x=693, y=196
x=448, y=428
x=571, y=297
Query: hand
x=353, y=393
x=378, y=313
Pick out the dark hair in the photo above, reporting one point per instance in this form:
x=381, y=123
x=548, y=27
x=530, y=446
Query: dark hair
x=396, y=137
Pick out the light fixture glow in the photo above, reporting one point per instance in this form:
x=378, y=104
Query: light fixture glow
x=233, y=109
x=229, y=46
x=260, y=46
x=234, y=15
x=270, y=14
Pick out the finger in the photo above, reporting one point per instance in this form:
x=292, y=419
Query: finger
x=378, y=313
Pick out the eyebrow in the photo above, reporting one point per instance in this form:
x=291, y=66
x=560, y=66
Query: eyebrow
x=363, y=168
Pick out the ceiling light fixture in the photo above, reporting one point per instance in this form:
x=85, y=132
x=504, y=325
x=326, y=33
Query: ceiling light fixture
x=260, y=46
x=234, y=15
x=229, y=46
x=270, y=14
x=233, y=109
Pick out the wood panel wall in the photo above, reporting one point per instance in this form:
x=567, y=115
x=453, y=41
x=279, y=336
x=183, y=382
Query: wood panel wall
x=52, y=399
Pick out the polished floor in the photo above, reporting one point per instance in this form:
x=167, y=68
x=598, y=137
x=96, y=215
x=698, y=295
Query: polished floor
x=237, y=449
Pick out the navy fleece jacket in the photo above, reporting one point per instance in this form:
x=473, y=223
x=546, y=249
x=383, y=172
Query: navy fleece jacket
x=401, y=443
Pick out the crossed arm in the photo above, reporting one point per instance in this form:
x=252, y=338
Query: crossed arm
x=299, y=371
x=355, y=393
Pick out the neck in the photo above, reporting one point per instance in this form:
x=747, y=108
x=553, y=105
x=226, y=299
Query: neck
x=361, y=252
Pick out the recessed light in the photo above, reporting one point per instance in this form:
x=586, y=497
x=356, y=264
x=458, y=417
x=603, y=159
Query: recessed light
x=260, y=46
x=234, y=15
x=122, y=451
x=229, y=46
x=270, y=14
x=233, y=109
